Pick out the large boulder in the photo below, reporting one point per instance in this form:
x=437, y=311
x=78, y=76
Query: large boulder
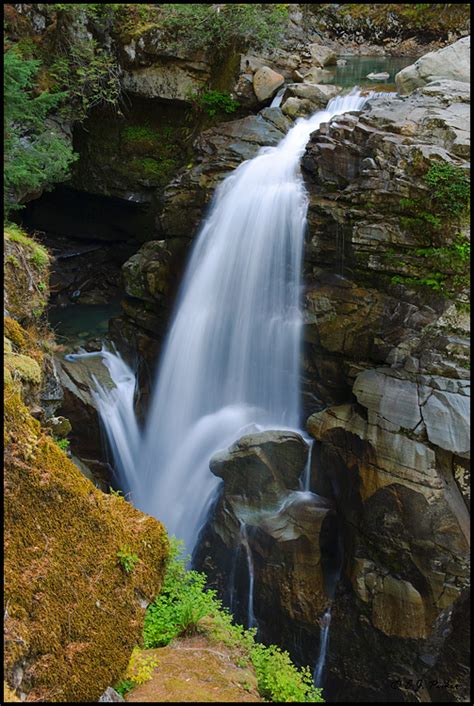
x=266, y=83
x=302, y=99
x=321, y=55
x=262, y=467
x=264, y=518
x=451, y=62
x=169, y=81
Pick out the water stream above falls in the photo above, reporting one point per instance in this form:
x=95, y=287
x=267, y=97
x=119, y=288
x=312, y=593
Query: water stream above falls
x=231, y=359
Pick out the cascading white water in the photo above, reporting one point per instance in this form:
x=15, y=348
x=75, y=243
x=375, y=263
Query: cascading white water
x=116, y=409
x=306, y=477
x=251, y=619
x=232, y=355
x=318, y=670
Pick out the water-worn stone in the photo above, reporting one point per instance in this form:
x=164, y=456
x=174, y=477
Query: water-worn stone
x=309, y=97
x=110, y=695
x=263, y=466
x=286, y=529
x=266, y=83
x=316, y=75
x=164, y=80
x=447, y=419
x=321, y=55
x=451, y=62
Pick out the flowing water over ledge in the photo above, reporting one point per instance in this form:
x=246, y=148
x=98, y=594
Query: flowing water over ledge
x=231, y=360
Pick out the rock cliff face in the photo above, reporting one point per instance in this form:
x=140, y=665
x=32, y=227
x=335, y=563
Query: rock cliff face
x=388, y=356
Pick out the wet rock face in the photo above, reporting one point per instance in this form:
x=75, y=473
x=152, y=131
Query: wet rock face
x=218, y=151
x=261, y=510
x=386, y=375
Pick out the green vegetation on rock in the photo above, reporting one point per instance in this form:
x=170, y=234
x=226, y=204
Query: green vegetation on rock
x=204, y=26
x=450, y=189
x=184, y=606
x=34, y=156
x=26, y=274
x=214, y=102
x=88, y=75
x=127, y=559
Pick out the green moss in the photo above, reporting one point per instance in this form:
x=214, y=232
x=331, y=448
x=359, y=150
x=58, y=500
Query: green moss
x=445, y=269
x=156, y=171
x=15, y=332
x=23, y=368
x=26, y=266
x=37, y=253
x=140, y=133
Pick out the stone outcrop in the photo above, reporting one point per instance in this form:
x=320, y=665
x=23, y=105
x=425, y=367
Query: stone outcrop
x=322, y=55
x=452, y=62
x=218, y=151
x=287, y=532
x=302, y=99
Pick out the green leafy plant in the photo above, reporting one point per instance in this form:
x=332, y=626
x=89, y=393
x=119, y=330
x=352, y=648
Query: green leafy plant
x=127, y=559
x=450, y=188
x=181, y=603
x=35, y=157
x=63, y=444
x=214, y=102
x=278, y=680
x=124, y=686
x=180, y=608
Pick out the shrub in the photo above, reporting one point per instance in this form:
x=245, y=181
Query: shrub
x=278, y=680
x=139, y=670
x=88, y=75
x=450, y=188
x=219, y=27
x=181, y=604
x=213, y=102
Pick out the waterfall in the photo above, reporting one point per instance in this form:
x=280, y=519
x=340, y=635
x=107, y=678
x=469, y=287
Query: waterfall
x=231, y=357
x=251, y=619
x=115, y=406
x=318, y=670
x=276, y=102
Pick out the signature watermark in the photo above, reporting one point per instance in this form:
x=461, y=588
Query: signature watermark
x=417, y=684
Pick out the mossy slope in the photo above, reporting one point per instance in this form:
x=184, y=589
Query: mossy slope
x=72, y=613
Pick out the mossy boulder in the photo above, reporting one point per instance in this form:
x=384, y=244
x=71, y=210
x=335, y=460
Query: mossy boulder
x=73, y=613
